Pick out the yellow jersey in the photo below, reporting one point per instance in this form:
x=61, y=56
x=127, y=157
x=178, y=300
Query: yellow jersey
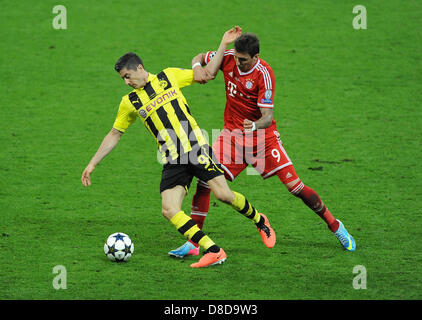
x=164, y=111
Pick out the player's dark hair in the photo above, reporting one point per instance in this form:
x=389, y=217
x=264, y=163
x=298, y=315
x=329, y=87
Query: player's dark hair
x=129, y=60
x=247, y=42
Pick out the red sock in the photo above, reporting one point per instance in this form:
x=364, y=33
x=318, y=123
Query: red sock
x=200, y=205
x=330, y=220
x=313, y=201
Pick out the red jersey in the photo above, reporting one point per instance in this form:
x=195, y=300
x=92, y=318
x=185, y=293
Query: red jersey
x=246, y=92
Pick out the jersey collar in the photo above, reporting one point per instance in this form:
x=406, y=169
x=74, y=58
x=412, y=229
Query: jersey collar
x=149, y=79
x=251, y=70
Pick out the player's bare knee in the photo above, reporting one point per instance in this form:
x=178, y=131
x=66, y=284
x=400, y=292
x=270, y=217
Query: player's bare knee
x=165, y=211
x=168, y=210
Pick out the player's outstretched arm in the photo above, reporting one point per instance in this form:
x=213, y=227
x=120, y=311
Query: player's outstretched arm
x=108, y=144
x=229, y=37
x=200, y=74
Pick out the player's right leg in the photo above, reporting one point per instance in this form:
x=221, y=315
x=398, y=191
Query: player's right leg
x=175, y=182
x=199, y=211
x=171, y=209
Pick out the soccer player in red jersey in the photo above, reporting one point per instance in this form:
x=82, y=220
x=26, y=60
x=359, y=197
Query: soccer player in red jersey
x=250, y=135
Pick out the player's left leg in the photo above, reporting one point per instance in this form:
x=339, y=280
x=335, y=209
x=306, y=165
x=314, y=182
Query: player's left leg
x=309, y=196
x=237, y=201
x=311, y=199
x=277, y=162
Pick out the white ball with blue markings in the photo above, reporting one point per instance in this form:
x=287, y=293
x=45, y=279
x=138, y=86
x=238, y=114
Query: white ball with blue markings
x=118, y=247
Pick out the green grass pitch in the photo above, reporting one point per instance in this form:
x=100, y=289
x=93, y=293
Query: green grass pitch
x=348, y=108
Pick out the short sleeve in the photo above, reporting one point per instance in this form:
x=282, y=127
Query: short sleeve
x=183, y=77
x=227, y=56
x=208, y=56
x=266, y=88
x=125, y=116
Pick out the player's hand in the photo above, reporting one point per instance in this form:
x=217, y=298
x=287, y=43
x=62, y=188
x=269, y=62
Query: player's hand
x=231, y=35
x=201, y=75
x=86, y=180
x=248, y=125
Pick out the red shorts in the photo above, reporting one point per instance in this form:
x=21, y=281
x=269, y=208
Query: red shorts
x=262, y=149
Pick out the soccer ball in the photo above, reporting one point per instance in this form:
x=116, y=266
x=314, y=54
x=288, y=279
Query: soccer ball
x=118, y=247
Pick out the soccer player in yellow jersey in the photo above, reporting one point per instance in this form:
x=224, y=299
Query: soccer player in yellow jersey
x=158, y=101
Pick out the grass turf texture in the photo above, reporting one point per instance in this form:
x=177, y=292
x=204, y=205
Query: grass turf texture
x=348, y=107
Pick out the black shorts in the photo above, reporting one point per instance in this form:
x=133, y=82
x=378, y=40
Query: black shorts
x=198, y=163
